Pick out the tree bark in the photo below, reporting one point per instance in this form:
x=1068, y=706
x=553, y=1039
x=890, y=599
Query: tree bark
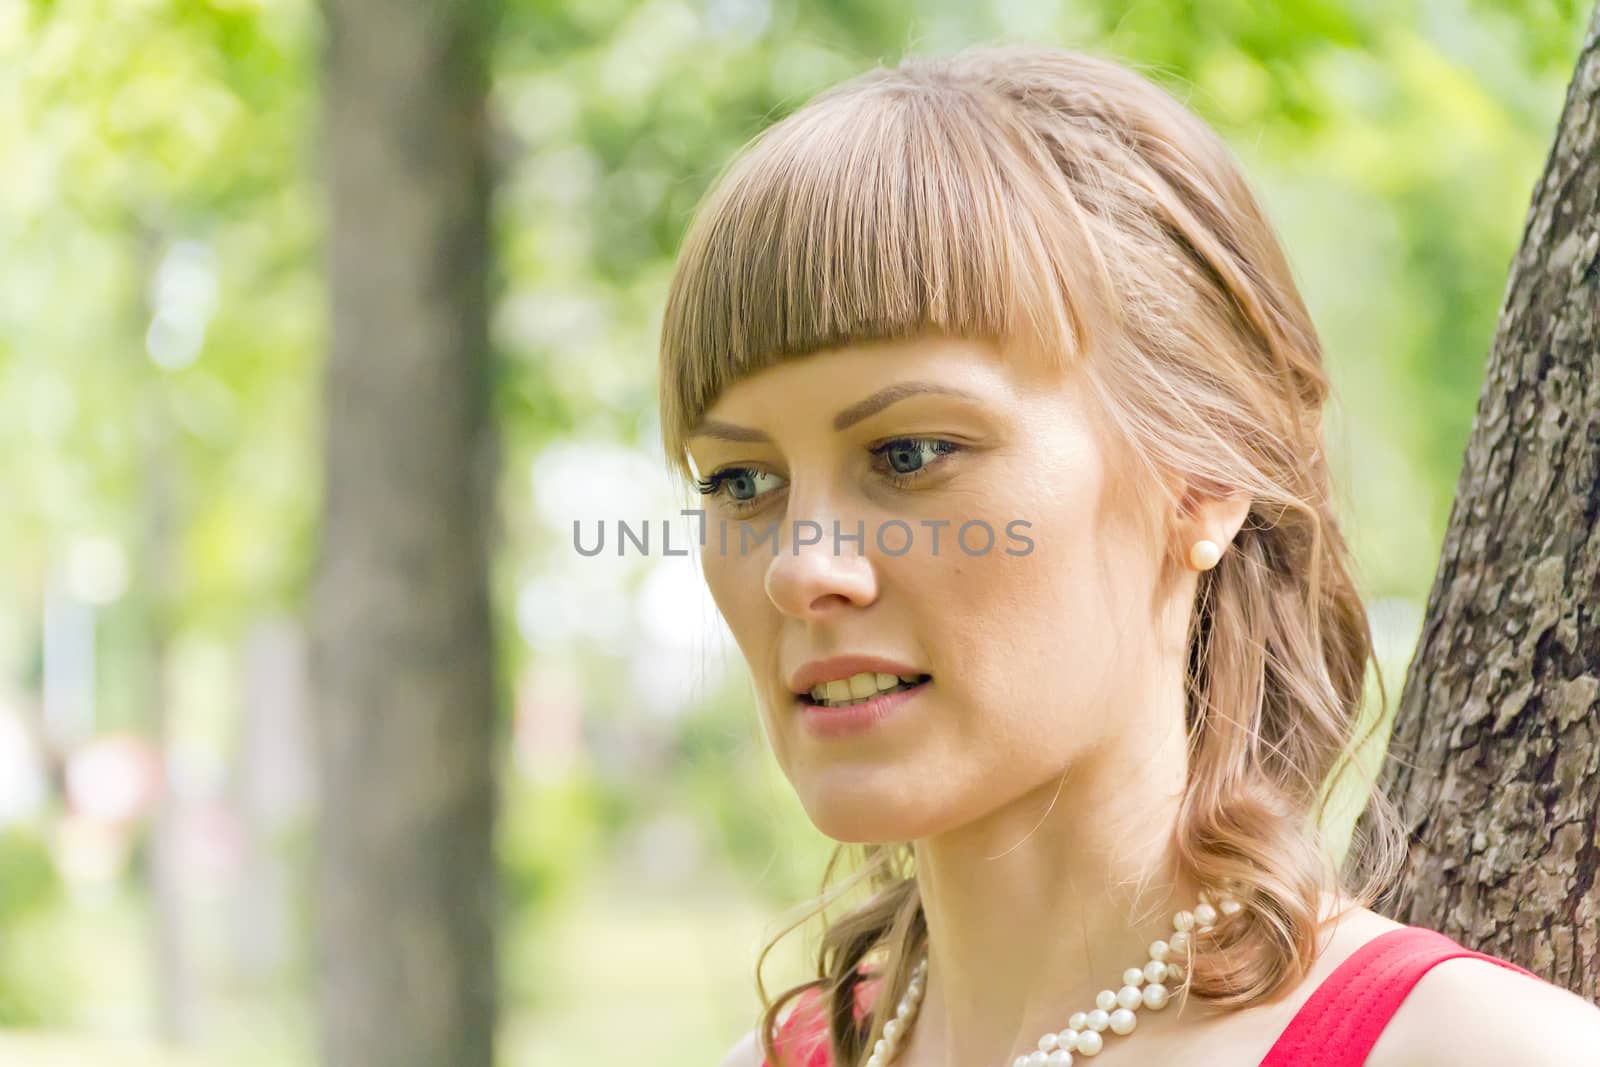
x=402, y=658
x=1495, y=755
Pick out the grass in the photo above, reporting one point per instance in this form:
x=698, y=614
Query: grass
x=667, y=970
x=51, y=1050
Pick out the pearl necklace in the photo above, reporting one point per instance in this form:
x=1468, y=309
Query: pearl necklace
x=1114, y=1010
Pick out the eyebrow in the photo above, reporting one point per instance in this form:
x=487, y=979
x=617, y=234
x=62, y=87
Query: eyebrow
x=861, y=409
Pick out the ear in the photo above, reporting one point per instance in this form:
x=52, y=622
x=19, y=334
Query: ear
x=1210, y=513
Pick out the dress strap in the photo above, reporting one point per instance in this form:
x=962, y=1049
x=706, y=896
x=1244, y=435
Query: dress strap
x=1341, y=1022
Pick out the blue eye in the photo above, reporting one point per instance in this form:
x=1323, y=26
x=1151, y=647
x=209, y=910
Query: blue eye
x=745, y=485
x=908, y=457
x=903, y=460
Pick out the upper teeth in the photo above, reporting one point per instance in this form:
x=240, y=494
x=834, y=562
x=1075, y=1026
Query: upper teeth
x=857, y=687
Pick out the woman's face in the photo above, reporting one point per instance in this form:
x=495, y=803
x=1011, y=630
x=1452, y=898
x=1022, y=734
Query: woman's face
x=1033, y=646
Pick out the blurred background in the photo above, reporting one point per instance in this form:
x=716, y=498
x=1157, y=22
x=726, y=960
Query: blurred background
x=163, y=324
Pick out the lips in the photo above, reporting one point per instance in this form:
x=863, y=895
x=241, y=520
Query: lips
x=860, y=716
x=837, y=668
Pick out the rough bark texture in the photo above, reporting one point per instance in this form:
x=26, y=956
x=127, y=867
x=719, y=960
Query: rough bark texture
x=1495, y=759
x=402, y=659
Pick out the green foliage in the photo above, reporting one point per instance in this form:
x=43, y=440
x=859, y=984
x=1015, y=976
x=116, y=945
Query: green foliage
x=730, y=782
x=28, y=880
x=547, y=836
x=548, y=839
x=30, y=992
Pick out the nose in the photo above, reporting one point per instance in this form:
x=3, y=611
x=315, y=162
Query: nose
x=812, y=581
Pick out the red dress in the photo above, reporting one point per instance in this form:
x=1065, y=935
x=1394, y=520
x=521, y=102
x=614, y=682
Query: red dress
x=1336, y=1027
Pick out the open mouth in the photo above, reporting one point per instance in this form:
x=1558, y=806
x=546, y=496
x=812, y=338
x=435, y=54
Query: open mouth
x=860, y=688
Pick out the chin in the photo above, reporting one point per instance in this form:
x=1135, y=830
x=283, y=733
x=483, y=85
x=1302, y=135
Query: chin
x=857, y=816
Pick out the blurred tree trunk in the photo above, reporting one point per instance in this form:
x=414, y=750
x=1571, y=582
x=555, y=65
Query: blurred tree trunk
x=158, y=578
x=402, y=653
x=163, y=869
x=1495, y=757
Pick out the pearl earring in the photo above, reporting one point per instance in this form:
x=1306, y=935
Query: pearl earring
x=1204, y=555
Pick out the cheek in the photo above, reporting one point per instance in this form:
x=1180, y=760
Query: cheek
x=736, y=585
x=1013, y=642
x=1028, y=639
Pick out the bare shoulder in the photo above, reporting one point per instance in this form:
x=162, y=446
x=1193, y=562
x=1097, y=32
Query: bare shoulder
x=1473, y=1013
x=746, y=1052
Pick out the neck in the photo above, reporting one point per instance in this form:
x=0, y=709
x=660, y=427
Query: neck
x=1038, y=906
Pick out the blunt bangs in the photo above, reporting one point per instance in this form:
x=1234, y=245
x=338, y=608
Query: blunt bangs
x=891, y=206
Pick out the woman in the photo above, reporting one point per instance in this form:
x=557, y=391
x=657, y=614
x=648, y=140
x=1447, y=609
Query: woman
x=1006, y=413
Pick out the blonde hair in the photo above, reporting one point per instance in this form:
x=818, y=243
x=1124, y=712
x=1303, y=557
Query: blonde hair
x=1062, y=204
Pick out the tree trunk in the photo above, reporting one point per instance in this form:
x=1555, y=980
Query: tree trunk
x=402, y=656
x=172, y=968
x=1495, y=757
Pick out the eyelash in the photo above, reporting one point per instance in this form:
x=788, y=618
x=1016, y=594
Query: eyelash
x=713, y=483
